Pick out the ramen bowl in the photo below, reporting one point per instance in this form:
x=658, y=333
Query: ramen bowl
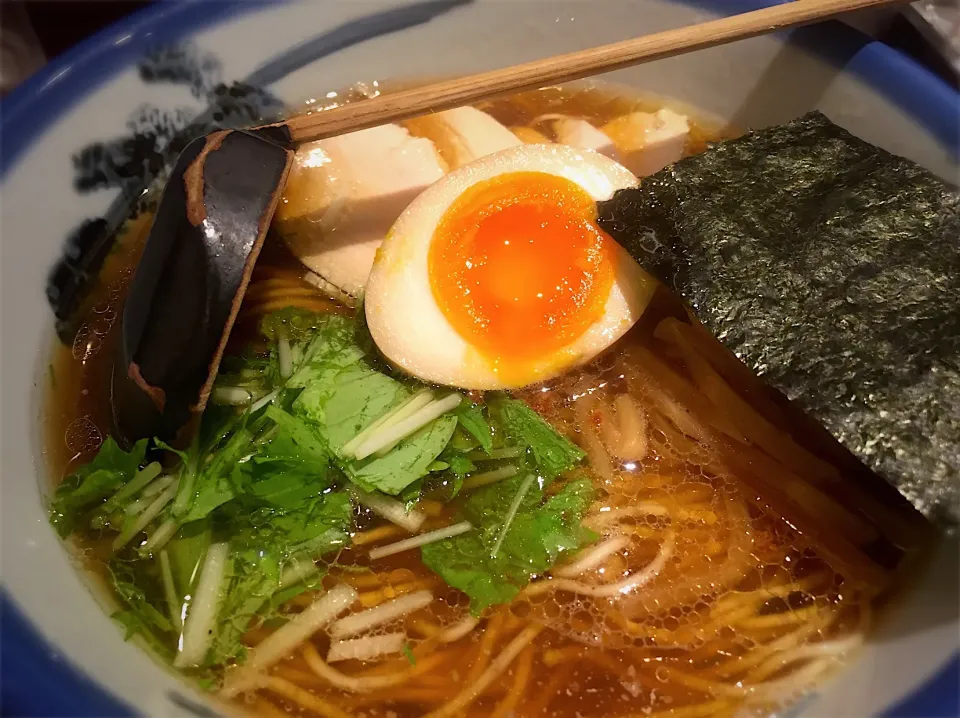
x=85, y=138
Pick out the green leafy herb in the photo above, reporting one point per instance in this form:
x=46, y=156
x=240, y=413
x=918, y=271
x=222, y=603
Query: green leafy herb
x=538, y=535
x=408, y=653
x=342, y=398
x=313, y=528
x=263, y=544
x=331, y=349
x=462, y=440
x=272, y=484
x=406, y=463
x=138, y=616
x=458, y=465
x=187, y=551
x=300, y=327
x=163, y=445
x=474, y=423
x=286, y=490
x=83, y=490
x=205, y=488
x=294, y=466
x=143, y=477
x=343, y=401
x=552, y=452
x=411, y=494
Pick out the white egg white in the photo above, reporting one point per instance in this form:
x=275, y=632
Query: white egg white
x=409, y=327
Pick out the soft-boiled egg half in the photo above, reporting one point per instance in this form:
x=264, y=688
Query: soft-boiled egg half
x=497, y=275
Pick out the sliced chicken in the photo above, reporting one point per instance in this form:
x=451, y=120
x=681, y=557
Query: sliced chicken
x=463, y=134
x=344, y=193
x=648, y=142
x=580, y=133
x=530, y=136
x=331, y=290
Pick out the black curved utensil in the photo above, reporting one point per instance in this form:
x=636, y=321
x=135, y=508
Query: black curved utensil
x=190, y=281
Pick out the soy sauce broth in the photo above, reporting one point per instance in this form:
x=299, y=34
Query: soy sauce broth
x=740, y=588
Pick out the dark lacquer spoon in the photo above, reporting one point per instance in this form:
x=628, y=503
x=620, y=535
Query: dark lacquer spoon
x=222, y=193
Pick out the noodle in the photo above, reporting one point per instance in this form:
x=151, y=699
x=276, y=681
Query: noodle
x=559, y=656
x=556, y=656
x=269, y=272
x=302, y=697
x=738, y=600
x=675, y=396
x=375, y=598
x=825, y=649
x=483, y=680
x=296, y=675
x=311, y=304
x=834, y=546
x=521, y=678
x=822, y=649
x=262, y=707
x=761, y=653
x=599, y=458
x=601, y=519
x=592, y=558
x=458, y=630
x=748, y=421
x=381, y=533
x=487, y=643
x=633, y=429
x=776, y=620
x=373, y=579
x=728, y=365
x=450, y=634
x=703, y=685
x=711, y=581
x=390, y=666
x=710, y=709
x=286, y=293
x=545, y=695
x=416, y=696
x=366, y=684
x=288, y=637
x=624, y=586
x=795, y=683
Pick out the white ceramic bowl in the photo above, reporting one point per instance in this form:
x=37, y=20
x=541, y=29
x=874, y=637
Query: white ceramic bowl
x=85, y=136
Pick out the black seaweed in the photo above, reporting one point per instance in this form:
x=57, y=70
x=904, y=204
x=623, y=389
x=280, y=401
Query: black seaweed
x=832, y=268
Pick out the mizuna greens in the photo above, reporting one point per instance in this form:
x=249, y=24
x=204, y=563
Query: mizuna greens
x=212, y=540
x=537, y=535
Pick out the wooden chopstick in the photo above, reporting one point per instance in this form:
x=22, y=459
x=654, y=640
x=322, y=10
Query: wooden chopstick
x=564, y=68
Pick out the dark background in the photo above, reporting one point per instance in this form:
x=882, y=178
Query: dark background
x=61, y=25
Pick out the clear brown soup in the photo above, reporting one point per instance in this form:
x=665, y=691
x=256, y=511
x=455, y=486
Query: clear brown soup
x=754, y=605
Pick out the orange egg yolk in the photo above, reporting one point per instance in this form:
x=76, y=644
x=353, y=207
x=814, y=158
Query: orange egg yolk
x=519, y=266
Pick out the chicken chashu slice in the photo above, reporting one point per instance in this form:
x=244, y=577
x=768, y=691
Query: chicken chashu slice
x=647, y=142
x=577, y=132
x=463, y=134
x=345, y=192
x=530, y=136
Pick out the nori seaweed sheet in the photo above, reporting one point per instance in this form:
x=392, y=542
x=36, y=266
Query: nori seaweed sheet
x=832, y=269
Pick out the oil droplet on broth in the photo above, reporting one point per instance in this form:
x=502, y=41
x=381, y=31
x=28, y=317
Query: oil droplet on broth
x=82, y=436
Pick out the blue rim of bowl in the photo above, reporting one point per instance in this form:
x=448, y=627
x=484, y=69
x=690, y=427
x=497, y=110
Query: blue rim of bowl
x=39, y=681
